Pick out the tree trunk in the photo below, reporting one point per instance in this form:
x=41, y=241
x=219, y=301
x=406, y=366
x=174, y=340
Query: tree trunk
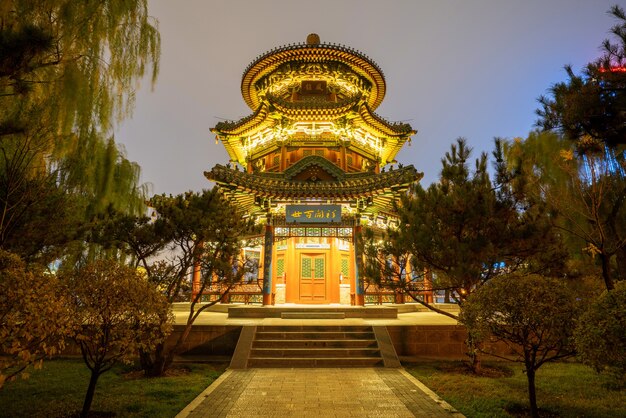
x=621, y=264
x=606, y=271
x=473, y=353
x=532, y=395
x=91, y=389
x=154, y=364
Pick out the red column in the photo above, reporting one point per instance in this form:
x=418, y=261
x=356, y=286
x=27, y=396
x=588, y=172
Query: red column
x=428, y=286
x=195, y=281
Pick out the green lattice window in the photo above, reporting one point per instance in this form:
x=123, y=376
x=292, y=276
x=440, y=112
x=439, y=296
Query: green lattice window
x=307, y=152
x=345, y=232
x=306, y=267
x=319, y=152
x=319, y=267
x=280, y=266
x=276, y=160
x=345, y=268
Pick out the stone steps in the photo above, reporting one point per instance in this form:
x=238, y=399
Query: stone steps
x=313, y=315
x=314, y=352
x=314, y=346
x=315, y=362
x=314, y=335
x=348, y=343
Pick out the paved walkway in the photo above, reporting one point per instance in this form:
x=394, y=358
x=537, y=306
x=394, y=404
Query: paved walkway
x=347, y=392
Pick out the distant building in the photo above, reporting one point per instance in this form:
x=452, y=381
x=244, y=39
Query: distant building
x=309, y=164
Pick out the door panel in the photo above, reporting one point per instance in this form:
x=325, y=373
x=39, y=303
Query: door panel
x=312, y=278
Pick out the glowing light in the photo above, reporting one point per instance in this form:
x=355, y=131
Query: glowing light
x=613, y=70
x=258, y=140
x=312, y=131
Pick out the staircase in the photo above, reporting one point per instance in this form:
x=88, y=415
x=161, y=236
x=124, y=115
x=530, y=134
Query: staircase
x=310, y=346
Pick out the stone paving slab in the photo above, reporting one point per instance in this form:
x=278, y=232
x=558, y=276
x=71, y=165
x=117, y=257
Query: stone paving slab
x=341, y=392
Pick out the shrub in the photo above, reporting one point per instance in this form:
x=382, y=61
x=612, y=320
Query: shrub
x=33, y=317
x=533, y=315
x=601, y=333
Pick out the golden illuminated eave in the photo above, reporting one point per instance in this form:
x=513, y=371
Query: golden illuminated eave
x=307, y=53
x=364, y=132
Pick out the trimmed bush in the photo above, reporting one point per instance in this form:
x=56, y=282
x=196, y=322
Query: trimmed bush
x=601, y=333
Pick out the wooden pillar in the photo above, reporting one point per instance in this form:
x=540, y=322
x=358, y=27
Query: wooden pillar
x=195, y=280
x=428, y=287
x=274, y=279
x=283, y=158
x=268, y=246
x=196, y=276
x=291, y=272
x=398, y=293
x=335, y=270
x=359, y=298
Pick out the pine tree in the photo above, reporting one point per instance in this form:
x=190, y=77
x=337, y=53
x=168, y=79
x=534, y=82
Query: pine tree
x=466, y=230
x=592, y=104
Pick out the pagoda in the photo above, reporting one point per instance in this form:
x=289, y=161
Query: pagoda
x=314, y=164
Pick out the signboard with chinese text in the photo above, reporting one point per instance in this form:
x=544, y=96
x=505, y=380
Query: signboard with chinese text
x=313, y=87
x=312, y=214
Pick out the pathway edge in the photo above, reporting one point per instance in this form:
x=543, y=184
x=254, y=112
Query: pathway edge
x=432, y=395
x=206, y=392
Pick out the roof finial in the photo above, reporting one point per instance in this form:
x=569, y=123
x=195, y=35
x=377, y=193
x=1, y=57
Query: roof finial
x=313, y=39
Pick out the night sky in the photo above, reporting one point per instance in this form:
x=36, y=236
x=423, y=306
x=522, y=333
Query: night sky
x=471, y=68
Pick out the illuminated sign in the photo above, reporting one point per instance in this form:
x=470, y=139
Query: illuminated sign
x=316, y=246
x=313, y=214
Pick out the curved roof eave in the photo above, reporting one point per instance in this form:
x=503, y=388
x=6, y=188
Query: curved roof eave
x=270, y=60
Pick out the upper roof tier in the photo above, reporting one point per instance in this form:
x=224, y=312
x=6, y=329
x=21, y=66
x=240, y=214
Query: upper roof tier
x=279, y=72
x=313, y=95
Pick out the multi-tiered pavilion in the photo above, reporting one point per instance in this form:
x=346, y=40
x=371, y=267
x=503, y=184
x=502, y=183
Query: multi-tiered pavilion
x=314, y=164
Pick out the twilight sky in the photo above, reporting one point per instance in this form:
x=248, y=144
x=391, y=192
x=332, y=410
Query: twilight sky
x=471, y=68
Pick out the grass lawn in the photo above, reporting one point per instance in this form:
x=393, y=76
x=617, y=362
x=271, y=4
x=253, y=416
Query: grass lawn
x=563, y=390
x=59, y=388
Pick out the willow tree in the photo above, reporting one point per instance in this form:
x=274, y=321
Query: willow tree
x=584, y=188
x=74, y=62
x=67, y=74
x=589, y=109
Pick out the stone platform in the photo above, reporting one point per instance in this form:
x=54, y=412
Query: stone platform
x=313, y=312
x=415, y=334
